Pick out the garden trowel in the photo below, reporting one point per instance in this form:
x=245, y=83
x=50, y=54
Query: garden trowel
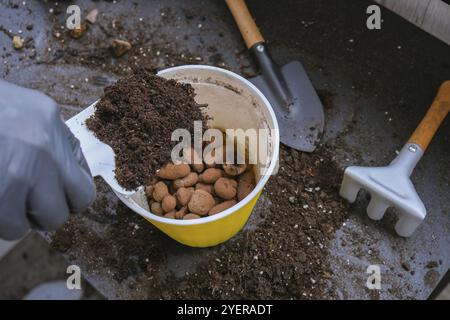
x=290, y=92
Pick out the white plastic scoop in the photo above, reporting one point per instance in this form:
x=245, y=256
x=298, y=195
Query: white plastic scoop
x=391, y=186
x=99, y=155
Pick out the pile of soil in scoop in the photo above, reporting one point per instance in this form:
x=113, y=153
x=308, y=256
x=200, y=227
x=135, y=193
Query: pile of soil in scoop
x=136, y=117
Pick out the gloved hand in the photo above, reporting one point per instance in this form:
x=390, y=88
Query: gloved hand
x=43, y=173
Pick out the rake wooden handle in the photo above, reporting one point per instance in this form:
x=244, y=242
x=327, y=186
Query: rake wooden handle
x=433, y=118
x=245, y=22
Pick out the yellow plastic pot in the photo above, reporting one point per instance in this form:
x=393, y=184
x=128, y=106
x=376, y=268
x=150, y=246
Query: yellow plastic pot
x=233, y=102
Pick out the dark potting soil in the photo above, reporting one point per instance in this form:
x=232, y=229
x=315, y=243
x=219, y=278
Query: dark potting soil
x=136, y=117
x=282, y=256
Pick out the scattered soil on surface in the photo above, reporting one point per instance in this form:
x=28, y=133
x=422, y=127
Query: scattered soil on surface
x=284, y=256
x=327, y=97
x=136, y=117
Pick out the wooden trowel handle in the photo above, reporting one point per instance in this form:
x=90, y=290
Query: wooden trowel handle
x=433, y=118
x=245, y=22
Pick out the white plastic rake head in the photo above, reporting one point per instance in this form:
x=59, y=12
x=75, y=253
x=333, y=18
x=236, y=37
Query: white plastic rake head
x=391, y=186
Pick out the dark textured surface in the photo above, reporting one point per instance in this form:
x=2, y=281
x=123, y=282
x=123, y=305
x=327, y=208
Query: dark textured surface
x=378, y=83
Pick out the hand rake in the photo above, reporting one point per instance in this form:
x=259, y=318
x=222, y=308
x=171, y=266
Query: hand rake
x=391, y=186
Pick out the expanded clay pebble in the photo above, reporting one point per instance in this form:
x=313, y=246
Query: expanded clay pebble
x=191, y=216
x=183, y=195
x=155, y=208
x=174, y=171
x=210, y=175
x=170, y=215
x=246, y=183
x=204, y=186
x=225, y=188
x=221, y=207
x=201, y=202
x=160, y=190
x=234, y=169
x=181, y=213
x=169, y=203
x=188, y=181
